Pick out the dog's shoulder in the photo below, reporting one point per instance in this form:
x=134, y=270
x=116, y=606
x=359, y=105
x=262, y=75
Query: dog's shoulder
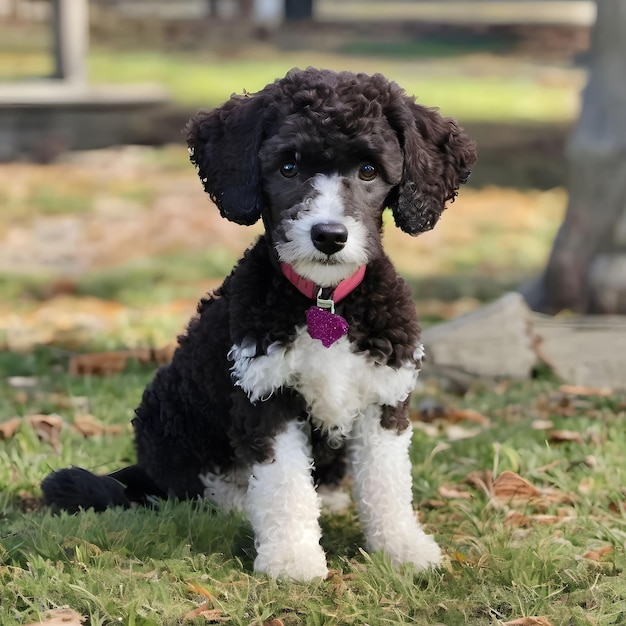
x=382, y=316
x=255, y=303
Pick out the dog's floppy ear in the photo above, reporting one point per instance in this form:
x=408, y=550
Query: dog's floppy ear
x=224, y=145
x=438, y=157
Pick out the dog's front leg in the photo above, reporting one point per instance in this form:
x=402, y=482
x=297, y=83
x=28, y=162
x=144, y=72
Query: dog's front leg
x=284, y=508
x=383, y=492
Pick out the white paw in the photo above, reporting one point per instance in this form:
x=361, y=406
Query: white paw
x=421, y=550
x=295, y=561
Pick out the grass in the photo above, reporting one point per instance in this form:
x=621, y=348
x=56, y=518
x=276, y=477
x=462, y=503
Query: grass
x=155, y=566
x=207, y=81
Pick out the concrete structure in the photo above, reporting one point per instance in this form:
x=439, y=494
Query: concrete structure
x=40, y=119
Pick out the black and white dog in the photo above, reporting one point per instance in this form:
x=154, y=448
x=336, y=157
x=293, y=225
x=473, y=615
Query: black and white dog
x=300, y=366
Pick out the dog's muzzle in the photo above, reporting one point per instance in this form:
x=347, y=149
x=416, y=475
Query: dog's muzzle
x=329, y=237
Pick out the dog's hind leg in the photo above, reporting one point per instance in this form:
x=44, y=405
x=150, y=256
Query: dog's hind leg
x=383, y=492
x=284, y=508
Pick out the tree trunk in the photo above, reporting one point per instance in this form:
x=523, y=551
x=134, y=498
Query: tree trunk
x=586, y=271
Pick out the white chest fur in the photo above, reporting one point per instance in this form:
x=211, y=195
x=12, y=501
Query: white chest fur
x=336, y=383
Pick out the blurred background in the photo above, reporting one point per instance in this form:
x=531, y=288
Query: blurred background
x=106, y=238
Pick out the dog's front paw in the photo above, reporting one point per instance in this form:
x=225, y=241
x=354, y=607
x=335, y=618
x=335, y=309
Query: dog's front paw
x=296, y=561
x=421, y=550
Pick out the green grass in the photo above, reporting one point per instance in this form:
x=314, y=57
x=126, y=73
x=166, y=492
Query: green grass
x=157, y=279
x=151, y=566
x=433, y=70
x=197, y=81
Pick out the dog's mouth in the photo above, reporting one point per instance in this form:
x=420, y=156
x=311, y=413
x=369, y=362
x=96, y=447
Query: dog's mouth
x=328, y=260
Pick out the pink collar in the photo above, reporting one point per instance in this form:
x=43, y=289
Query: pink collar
x=311, y=290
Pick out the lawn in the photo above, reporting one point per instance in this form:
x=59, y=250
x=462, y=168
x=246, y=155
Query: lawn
x=556, y=552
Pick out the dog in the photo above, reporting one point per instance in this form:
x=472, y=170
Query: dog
x=299, y=368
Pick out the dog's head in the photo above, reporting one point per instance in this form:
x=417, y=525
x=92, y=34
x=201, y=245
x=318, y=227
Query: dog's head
x=319, y=155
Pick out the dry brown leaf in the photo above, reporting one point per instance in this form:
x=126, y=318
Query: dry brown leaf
x=511, y=489
x=9, y=428
x=210, y=616
x=582, y=390
x=529, y=621
x=48, y=427
x=542, y=424
x=274, y=622
x=459, y=415
x=106, y=363
x=88, y=426
x=451, y=493
x=596, y=555
x=60, y=617
x=563, y=436
x=517, y=520
x=197, y=588
x=510, y=486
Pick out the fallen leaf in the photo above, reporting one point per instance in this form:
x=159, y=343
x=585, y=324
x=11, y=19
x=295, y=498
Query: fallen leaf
x=274, y=622
x=529, y=621
x=9, y=428
x=47, y=427
x=563, y=436
x=455, y=432
x=510, y=486
x=60, y=617
x=582, y=390
x=459, y=415
x=88, y=426
x=511, y=489
x=113, y=362
x=63, y=401
x=23, y=382
x=104, y=363
x=451, y=493
x=431, y=410
x=542, y=424
x=459, y=557
x=518, y=520
x=197, y=588
x=596, y=555
x=210, y=616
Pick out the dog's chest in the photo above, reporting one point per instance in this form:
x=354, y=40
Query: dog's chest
x=336, y=382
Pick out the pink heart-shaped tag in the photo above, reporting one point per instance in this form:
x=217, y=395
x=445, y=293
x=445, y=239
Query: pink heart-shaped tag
x=326, y=326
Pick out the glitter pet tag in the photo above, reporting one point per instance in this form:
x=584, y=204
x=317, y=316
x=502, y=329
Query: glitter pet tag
x=326, y=326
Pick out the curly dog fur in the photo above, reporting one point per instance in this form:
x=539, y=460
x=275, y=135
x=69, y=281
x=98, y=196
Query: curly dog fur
x=259, y=408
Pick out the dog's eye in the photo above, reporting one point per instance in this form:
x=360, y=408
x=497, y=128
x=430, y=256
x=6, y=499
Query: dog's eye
x=367, y=172
x=289, y=169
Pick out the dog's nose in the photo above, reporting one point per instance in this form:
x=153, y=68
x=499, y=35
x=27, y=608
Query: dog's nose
x=329, y=237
